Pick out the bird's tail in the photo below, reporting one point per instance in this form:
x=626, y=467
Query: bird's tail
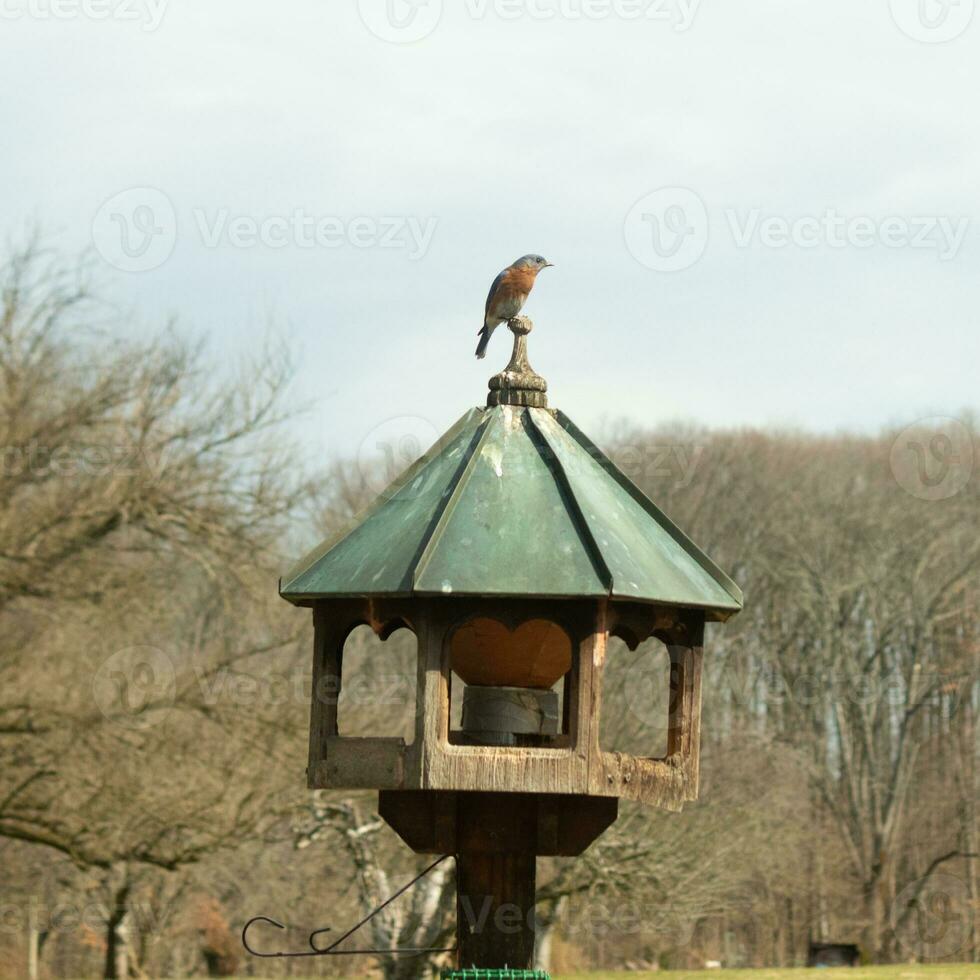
x=481, y=347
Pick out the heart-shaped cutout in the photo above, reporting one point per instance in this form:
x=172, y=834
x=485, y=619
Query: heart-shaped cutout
x=485, y=652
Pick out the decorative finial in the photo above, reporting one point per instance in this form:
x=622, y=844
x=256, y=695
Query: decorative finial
x=518, y=384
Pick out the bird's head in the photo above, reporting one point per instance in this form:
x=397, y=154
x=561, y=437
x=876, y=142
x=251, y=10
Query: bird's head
x=534, y=262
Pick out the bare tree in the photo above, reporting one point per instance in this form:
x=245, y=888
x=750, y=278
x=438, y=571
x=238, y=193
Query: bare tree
x=419, y=919
x=140, y=502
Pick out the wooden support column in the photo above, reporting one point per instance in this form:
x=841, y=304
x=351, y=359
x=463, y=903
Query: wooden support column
x=328, y=654
x=495, y=910
x=495, y=864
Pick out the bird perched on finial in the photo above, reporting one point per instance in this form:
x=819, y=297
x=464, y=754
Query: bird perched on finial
x=508, y=294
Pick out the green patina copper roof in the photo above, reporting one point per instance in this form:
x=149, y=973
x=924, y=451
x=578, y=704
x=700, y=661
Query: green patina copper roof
x=514, y=501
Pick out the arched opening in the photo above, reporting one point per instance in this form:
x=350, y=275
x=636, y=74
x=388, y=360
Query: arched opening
x=510, y=687
x=636, y=699
x=378, y=684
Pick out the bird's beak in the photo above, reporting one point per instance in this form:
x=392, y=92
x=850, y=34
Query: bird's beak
x=548, y=265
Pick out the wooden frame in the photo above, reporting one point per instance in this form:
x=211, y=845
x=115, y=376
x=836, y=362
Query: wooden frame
x=576, y=765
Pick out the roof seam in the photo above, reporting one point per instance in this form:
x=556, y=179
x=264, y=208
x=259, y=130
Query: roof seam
x=540, y=440
x=350, y=526
x=692, y=550
x=449, y=505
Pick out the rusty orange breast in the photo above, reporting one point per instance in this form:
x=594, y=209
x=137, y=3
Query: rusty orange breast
x=520, y=280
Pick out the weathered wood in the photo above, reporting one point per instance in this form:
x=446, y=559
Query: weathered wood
x=633, y=622
x=592, y=663
x=328, y=639
x=568, y=825
x=559, y=768
x=495, y=896
x=518, y=383
x=551, y=825
x=571, y=763
x=361, y=763
x=693, y=710
x=433, y=718
x=424, y=819
x=684, y=644
x=656, y=782
x=335, y=760
x=495, y=880
x=677, y=723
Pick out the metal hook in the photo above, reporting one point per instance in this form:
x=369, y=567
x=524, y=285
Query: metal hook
x=262, y=918
x=332, y=950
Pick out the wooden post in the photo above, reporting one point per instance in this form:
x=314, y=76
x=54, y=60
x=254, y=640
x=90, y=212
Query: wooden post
x=328, y=653
x=495, y=865
x=495, y=910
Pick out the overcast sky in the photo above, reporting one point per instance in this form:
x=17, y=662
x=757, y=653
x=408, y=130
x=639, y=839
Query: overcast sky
x=759, y=213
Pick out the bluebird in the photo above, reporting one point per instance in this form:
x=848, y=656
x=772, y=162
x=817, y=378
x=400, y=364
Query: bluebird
x=508, y=294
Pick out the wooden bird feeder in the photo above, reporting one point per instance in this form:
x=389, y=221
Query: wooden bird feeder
x=513, y=550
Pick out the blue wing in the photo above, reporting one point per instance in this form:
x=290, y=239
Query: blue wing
x=493, y=289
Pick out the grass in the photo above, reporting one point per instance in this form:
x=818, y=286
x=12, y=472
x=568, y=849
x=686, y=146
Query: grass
x=940, y=971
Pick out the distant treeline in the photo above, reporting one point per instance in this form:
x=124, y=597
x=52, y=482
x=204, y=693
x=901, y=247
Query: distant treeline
x=154, y=689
